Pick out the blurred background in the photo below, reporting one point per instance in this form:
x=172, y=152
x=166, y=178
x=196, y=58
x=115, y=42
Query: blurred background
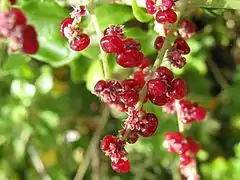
x=51, y=123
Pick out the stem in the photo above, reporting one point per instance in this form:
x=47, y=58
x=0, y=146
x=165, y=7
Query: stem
x=102, y=53
x=178, y=109
x=4, y=5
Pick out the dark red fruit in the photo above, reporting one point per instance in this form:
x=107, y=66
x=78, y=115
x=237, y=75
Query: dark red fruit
x=29, y=40
x=111, y=44
x=168, y=4
x=129, y=59
x=131, y=44
x=173, y=142
x=192, y=145
x=186, y=28
x=150, y=127
x=132, y=136
x=129, y=97
x=145, y=63
x=164, y=73
x=156, y=87
x=175, y=58
x=159, y=42
x=166, y=17
x=20, y=18
x=113, y=30
x=179, y=88
x=65, y=23
x=107, y=142
x=122, y=166
x=131, y=84
x=200, y=113
x=139, y=76
x=151, y=6
x=182, y=45
x=159, y=100
x=80, y=42
x=100, y=86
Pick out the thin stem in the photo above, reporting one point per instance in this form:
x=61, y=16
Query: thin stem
x=178, y=109
x=93, y=145
x=4, y=5
x=102, y=53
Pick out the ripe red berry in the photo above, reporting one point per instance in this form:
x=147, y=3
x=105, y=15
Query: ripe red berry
x=186, y=28
x=100, y=86
x=155, y=87
x=159, y=100
x=132, y=136
x=192, y=145
x=111, y=44
x=129, y=97
x=107, y=142
x=166, y=17
x=19, y=17
x=175, y=58
x=114, y=30
x=29, y=40
x=131, y=44
x=185, y=159
x=151, y=6
x=64, y=25
x=164, y=73
x=139, y=76
x=200, y=113
x=182, y=45
x=159, y=42
x=168, y=4
x=130, y=59
x=149, y=127
x=173, y=141
x=145, y=63
x=80, y=42
x=131, y=84
x=122, y=166
x=179, y=88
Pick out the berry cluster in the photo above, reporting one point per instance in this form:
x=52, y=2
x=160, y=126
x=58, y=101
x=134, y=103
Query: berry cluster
x=15, y=30
x=187, y=148
x=70, y=29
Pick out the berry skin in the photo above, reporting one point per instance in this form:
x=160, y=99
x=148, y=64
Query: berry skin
x=173, y=142
x=129, y=97
x=179, y=88
x=20, y=18
x=168, y=4
x=122, y=166
x=64, y=24
x=113, y=30
x=150, y=6
x=80, y=42
x=159, y=100
x=29, y=40
x=175, y=58
x=100, y=86
x=145, y=63
x=200, y=113
x=156, y=87
x=111, y=44
x=192, y=145
x=166, y=17
x=131, y=44
x=150, y=127
x=107, y=142
x=130, y=59
x=182, y=45
x=186, y=28
x=131, y=84
x=164, y=73
x=132, y=137
x=159, y=42
x=139, y=76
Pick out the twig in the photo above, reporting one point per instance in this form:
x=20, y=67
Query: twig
x=93, y=145
x=178, y=109
x=95, y=164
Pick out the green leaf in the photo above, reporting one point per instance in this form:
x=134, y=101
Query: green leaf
x=113, y=14
x=46, y=17
x=94, y=74
x=229, y=4
x=139, y=13
x=15, y=61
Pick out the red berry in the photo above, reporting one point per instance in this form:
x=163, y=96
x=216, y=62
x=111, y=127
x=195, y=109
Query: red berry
x=164, y=73
x=151, y=6
x=175, y=58
x=122, y=166
x=78, y=12
x=168, y=4
x=173, y=141
x=111, y=44
x=131, y=84
x=159, y=100
x=107, y=142
x=20, y=18
x=139, y=76
x=149, y=126
x=131, y=44
x=185, y=159
x=186, y=28
x=65, y=24
x=132, y=136
x=80, y=42
x=182, y=45
x=192, y=145
x=13, y=1
x=100, y=86
x=166, y=17
x=179, y=88
x=145, y=63
x=130, y=59
x=156, y=87
x=113, y=30
x=129, y=97
x=159, y=42
x=29, y=40
x=200, y=113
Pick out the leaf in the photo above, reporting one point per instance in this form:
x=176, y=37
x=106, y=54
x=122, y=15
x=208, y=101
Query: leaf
x=46, y=17
x=113, y=14
x=15, y=61
x=229, y=4
x=139, y=13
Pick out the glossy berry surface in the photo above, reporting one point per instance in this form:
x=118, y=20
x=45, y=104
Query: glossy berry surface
x=129, y=59
x=107, y=142
x=129, y=97
x=175, y=58
x=131, y=44
x=164, y=73
x=149, y=126
x=29, y=40
x=64, y=25
x=179, y=87
x=100, y=86
x=151, y=6
x=159, y=43
x=156, y=87
x=131, y=84
x=159, y=100
x=80, y=42
x=186, y=28
x=166, y=17
x=122, y=166
x=114, y=30
x=19, y=17
x=111, y=44
x=182, y=45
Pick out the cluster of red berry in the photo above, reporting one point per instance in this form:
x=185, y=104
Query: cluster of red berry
x=15, y=30
x=187, y=148
x=70, y=29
